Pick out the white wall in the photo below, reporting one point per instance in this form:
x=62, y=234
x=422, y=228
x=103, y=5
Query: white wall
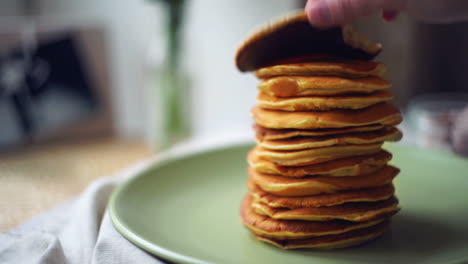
x=9, y=8
x=222, y=96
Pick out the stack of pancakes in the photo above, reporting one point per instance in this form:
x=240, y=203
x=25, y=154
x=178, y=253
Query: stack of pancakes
x=318, y=176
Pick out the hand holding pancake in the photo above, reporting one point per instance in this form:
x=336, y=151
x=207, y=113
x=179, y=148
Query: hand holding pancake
x=327, y=13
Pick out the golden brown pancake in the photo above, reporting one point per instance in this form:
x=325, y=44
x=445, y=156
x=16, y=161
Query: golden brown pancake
x=294, y=86
x=294, y=187
x=292, y=35
x=361, y=195
x=315, y=103
x=344, y=68
x=383, y=114
x=351, y=166
x=294, y=229
x=322, y=110
x=348, y=239
x=354, y=212
x=299, y=143
x=314, y=156
x=272, y=134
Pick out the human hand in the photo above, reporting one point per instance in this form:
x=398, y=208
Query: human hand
x=327, y=13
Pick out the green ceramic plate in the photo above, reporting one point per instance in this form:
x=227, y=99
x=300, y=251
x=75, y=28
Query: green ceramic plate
x=185, y=209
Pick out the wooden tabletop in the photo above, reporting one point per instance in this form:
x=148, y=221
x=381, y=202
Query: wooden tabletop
x=36, y=178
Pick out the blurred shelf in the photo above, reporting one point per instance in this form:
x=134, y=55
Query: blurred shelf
x=36, y=178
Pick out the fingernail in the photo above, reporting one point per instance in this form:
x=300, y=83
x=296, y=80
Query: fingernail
x=390, y=16
x=322, y=11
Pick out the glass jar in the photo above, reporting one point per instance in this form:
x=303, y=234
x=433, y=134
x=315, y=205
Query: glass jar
x=430, y=118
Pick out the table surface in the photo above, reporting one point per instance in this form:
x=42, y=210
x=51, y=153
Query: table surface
x=36, y=178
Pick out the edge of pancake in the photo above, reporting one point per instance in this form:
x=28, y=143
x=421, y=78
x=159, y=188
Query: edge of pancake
x=274, y=134
x=361, y=195
x=323, y=103
x=316, y=155
x=333, y=68
x=294, y=229
x=354, y=212
x=389, y=134
x=348, y=239
x=293, y=86
x=350, y=166
x=293, y=187
x=383, y=113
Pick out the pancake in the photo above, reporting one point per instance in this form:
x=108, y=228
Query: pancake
x=311, y=103
x=348, y=239
x=294, y=229
x=272, y=134
x=383, y=114
x=299, y=143
x=292, y=35
x=351, y=166
x=361, y=195
x=314, y=156
x=354, y=212
x=295, y=187
x=343, y=68
x=294, y=86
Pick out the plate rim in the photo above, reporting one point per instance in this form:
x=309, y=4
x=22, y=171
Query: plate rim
x=174, y=154
x=186, y=151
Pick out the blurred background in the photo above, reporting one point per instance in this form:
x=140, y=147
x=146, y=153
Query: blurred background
x=88, y=87
x=73, y=69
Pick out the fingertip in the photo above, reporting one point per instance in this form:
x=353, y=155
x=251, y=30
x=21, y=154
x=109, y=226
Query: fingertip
x=319, y=14
x=307, y=10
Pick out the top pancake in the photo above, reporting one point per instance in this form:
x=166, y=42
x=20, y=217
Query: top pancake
x=342, y=68
x=292, y=35
x=383, y=114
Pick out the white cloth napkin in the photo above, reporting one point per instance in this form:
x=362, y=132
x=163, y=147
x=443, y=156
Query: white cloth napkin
x=79, y=231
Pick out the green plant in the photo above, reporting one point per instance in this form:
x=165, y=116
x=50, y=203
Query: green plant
x=173, y=82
